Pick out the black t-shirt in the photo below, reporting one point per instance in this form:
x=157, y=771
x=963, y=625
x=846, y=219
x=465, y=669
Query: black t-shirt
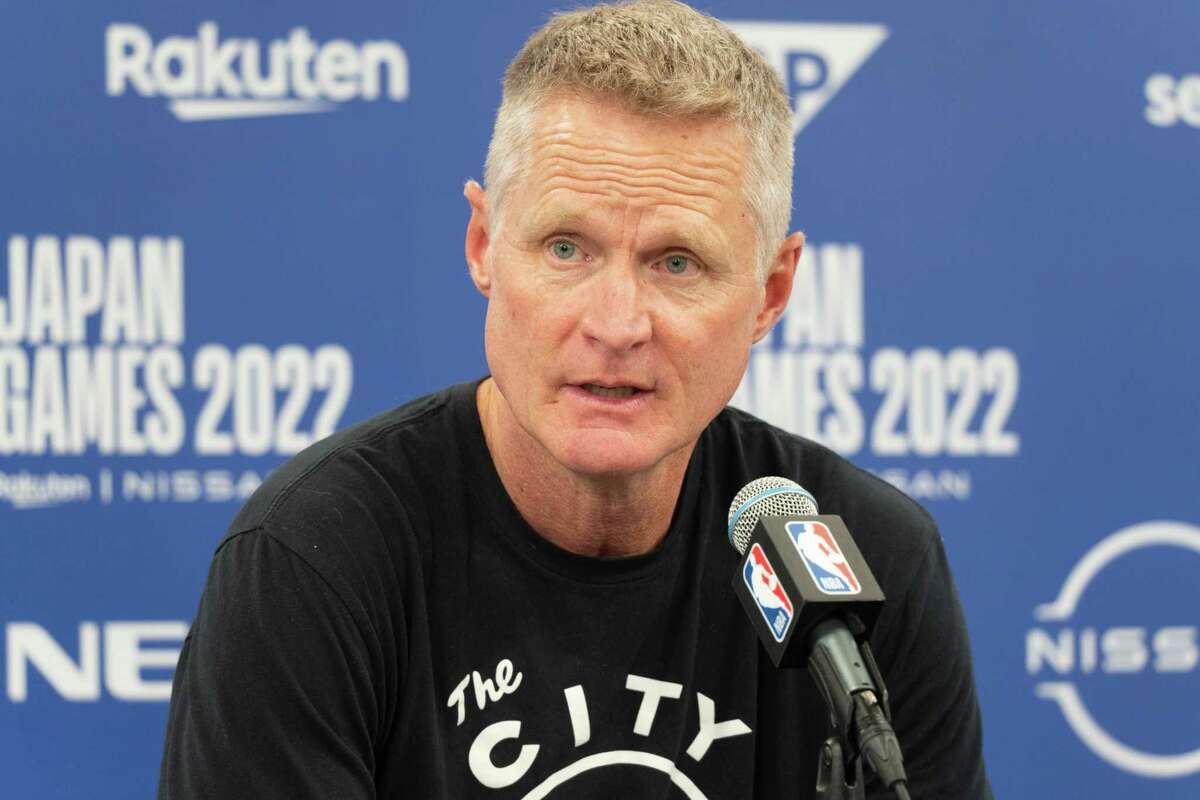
x=381, y=622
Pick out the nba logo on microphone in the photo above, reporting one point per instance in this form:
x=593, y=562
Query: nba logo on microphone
x=773, y=602
x=824, y=558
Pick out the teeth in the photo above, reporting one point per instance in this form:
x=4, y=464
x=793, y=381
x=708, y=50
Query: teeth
x=620, y=391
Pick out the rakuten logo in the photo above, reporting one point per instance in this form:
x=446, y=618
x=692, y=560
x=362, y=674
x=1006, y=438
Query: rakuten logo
x=207, y=78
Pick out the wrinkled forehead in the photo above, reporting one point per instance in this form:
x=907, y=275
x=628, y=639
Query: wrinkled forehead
x=688, y=155
x=585, y=153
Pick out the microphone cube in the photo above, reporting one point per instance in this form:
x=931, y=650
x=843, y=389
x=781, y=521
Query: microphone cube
x=795, y=572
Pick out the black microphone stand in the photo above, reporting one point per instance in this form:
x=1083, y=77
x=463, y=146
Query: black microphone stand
x=857, y=714
x=831, y=774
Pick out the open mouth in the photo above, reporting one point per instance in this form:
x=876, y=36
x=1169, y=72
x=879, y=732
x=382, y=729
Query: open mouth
x=606, y=391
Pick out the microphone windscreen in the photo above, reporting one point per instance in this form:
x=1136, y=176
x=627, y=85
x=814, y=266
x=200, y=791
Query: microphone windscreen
x=771, y=496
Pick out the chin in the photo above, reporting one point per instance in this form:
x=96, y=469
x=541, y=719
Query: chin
x=605, y=453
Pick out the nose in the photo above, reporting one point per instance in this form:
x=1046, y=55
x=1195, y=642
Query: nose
x=615, y=315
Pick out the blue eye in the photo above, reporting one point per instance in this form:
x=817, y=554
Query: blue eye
x=564, y=249
x=676, y=264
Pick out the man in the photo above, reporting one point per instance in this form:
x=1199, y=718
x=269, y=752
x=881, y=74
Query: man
x=522, y=583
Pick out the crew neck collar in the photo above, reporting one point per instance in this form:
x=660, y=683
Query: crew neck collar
x=532, y=545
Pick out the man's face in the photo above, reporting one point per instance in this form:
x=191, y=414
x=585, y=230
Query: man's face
x=622, y=293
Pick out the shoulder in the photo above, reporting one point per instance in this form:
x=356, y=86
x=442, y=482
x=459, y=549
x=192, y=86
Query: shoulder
x=355, y=466
x=889, y=527
x=344, y=505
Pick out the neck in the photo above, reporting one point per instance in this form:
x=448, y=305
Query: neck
x=602, y=516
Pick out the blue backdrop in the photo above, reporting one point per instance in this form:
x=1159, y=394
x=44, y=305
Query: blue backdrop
x=230, y=228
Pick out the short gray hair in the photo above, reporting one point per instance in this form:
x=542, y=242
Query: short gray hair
x=657, y=57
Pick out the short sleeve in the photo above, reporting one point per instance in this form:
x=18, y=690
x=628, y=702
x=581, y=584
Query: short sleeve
x=273, y=694
x=925, y=657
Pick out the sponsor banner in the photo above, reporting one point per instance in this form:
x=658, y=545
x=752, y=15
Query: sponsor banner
x=209, y=76
x=1173, y=100
x=994, y=312
x=1112, y=638
x=129, y=661
x=811, y=376
x=813, y=60
x=93, y=361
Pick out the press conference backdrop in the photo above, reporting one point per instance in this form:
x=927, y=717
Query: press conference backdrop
x=230, y=229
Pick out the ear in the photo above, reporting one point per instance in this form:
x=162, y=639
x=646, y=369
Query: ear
x=478, y=238
x=778, y=287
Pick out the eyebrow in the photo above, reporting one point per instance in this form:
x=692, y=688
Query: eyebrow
x=549, y=218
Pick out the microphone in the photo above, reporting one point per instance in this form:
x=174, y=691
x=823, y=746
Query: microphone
x=812, y=600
